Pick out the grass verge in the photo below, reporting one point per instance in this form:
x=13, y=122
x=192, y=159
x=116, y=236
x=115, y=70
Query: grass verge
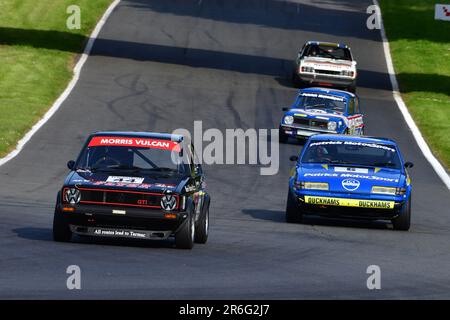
x=37, y=54
x=420, y=49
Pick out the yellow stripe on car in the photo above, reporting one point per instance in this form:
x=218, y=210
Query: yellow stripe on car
x=343, y=202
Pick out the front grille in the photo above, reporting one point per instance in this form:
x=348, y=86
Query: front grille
x=328, y=72
x=301, y=121
x=319, y=124
x=120, y=198
x=315, y=123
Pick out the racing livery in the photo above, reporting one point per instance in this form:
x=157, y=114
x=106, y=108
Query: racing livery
x=321, y=110
x=325, y=64
x=350, y=176
x=134, y=185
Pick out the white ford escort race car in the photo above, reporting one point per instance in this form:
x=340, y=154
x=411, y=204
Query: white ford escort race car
x=325, y=64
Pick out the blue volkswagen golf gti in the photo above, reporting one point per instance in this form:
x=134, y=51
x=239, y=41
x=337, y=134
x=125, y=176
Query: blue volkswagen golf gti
x=353, y=177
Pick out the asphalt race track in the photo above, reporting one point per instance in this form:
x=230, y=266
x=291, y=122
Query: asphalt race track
x=159, y=65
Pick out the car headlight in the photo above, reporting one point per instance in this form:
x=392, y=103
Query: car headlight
x=307, y=69
x=332, y=125
x=72, y=195
x=288, y=120
x=347, y=73
x=384, y=190
x=311, y=185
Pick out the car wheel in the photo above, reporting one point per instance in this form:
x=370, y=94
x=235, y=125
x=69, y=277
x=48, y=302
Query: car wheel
x=202, y=229
x=293, y=214
x=403, y=221
x=184, y=238
x=282, y=137
x=61, y=229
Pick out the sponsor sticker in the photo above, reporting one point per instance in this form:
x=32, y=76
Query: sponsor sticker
x=134, y=142
x=131, y=185
x=354, y=143
x=119, y=179
x=351, y=169
x=349, y=175
x=350, y=184
x=120, y=233
x=323, y=96
x=343, y=202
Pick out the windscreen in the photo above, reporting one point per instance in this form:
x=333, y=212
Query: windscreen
x=321, y=102
x=353, y=153
x=324, y=51
x=132, y=154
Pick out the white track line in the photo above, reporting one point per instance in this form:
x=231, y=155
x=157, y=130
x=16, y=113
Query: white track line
x=441, y=172
x=68, y=89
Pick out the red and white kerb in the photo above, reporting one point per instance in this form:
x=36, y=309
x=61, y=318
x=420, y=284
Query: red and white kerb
x=134, y=142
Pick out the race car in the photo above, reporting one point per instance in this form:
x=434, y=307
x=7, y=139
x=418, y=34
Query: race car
x=325, y=64
x=134, y=185
x=321, y=110
x=353, y=177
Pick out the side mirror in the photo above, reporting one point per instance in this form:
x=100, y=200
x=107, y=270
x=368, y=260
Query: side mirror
x=293, y=158
x=71, y=164
x=285, y=108
x=409, y=164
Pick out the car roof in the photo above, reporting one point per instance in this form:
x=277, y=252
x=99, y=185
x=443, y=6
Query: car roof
x=340, y=93
x=155, y=135
x=331, y=44
x=342, y=137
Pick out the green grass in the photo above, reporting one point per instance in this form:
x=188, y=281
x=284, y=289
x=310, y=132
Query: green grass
x=420, y=48
x=37, y=55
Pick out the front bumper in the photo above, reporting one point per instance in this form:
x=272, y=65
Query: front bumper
x=347, y=206
x=301, y=131
x=128, y=222
x=320, y=78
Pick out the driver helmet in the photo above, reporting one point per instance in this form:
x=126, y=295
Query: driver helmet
x=321, y=151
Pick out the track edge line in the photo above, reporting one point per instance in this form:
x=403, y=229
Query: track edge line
x=58, y=102
x=437, y=166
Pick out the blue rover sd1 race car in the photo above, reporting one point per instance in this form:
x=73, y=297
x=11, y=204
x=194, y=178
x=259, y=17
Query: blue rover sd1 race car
x=350, y=176
x=320, y=110
x=134, y=185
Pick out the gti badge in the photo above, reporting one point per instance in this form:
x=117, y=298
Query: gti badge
x=350, y=184
x=168, y=202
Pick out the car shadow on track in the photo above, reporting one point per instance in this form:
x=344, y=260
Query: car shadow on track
x=279, y=216
x=32, y=233
x=45, y=234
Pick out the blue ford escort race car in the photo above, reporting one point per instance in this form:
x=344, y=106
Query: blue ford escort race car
x=350, y=176
x=321, y=110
